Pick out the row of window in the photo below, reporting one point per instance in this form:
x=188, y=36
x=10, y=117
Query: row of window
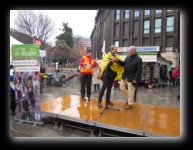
x=136, y=13
x=158, y=23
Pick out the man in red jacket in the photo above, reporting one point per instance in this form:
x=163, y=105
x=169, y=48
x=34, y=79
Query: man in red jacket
x=175, y=75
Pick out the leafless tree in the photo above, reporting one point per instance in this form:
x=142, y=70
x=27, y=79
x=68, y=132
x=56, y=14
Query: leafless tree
x=30, y=23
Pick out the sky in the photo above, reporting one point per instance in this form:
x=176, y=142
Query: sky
x=81, y=21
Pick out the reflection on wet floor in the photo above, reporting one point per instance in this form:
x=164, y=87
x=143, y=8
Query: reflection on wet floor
x=158, y=96
x=142, y=119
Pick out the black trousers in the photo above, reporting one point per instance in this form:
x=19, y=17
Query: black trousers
x=85, y=81
x=107, y=83
x=12, y=101
x=135, y=92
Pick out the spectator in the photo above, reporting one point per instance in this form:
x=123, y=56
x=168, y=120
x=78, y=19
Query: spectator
x=175, y=75
x=96, y=78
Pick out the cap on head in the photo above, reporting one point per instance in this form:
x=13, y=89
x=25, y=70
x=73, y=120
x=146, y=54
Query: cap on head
x=89, y=51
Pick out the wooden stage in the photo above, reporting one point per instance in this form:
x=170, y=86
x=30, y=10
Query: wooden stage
x=143, y=119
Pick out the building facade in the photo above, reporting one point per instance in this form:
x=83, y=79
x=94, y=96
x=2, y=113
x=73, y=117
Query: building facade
x=141, y=28
x=83, y=44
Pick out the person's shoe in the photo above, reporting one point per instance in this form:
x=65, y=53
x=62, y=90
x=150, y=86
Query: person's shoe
x=88, y=99
x=99, y=104
x=109, y=103
x=128, y=106
x=13, y=113
x=83, y=98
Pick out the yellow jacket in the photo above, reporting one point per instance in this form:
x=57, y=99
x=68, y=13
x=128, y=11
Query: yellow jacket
x=115, y=66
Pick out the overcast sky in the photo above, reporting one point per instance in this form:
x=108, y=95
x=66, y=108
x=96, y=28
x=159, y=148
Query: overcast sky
x=81, y=21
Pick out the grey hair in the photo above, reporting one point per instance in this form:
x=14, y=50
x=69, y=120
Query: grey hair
x=132, y=47
x=112, y=47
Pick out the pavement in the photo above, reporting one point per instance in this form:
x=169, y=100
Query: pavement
x=161, y=96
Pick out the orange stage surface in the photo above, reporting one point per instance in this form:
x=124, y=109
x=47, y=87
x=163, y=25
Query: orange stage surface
x=142, y=119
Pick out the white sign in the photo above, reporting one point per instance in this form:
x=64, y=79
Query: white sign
x=145, y=58
x=24, y=62
x=140, y=49
x=27, y=69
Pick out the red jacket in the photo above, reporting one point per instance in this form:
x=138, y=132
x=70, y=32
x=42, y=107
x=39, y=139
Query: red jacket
x=175, y=73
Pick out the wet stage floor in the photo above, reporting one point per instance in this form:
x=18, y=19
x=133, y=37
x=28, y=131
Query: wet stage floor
x=143, y=119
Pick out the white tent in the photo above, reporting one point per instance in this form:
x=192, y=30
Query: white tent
x=14, y=42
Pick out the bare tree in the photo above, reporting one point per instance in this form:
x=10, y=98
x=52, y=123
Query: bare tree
x=29, y=23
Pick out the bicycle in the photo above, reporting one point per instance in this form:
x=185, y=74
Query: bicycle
x=57, y=78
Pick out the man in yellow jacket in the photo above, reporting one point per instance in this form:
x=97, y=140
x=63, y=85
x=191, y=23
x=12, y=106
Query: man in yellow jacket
x=110, y=70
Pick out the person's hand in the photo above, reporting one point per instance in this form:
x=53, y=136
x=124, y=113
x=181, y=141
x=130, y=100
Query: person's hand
x=114, y=59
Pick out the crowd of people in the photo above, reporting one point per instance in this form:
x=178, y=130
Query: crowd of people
x=23, y=88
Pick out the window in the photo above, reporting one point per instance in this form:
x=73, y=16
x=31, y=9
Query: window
x=117, y=30
x=116, y=43
x=169, y=43
x=146, y=12
x=117, y=15
x=157, y=41
x=145, y=41
x=136, y=13
x=136, y=28
x=169, y=10
x=126, y=14
x=135, y=42
x=125, y=43
x=158, y=11
x=157, y=25
x=146, y=26
x=126, y=29
x=170, y=24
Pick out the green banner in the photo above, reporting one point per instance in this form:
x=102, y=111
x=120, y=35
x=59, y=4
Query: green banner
x=25, y=51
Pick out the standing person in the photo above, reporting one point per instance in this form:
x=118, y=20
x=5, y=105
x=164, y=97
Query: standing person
x=25, y=107
x=18, y=89
x=87, y=63
x=131, y=75
x=42, y=71
x=163, y=74
x=12, y=92
x=175, y=75
x=170, y=75
x=96, y=78
x=110, y=70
